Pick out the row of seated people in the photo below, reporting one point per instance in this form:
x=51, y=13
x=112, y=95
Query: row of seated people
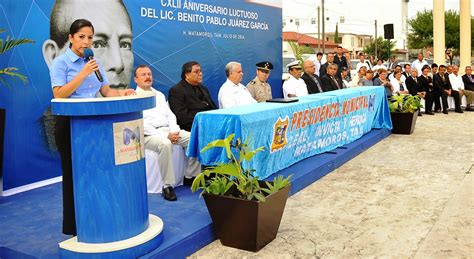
x=167, y=126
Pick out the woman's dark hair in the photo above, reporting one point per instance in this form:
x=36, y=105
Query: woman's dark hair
x=79, y=24
x=187, y=68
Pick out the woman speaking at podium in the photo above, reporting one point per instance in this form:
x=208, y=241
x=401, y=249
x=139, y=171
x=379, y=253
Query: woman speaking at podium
x=72, y=76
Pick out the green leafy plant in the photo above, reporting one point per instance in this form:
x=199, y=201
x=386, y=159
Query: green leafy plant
x=222, y=178
x=6, y=45
x=405, y=103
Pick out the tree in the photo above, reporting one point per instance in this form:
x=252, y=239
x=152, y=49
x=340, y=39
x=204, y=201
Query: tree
x=383, y=47
x=421, y=35
x=299, y=50
x=336, y=34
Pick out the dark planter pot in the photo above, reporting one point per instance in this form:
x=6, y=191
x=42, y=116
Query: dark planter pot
x=403, y=122
x=244, y=224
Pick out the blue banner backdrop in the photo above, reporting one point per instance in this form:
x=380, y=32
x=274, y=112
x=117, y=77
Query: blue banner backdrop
x=162, y=34
x=291, y=132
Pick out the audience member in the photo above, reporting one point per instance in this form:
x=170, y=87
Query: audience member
x=330, y=81
x=340, y=60
x=415, y=88
x=458, y=85
x=357, y=79
x=426, y=83
x=441, y=81
x=419, y=63
x=398, y=84
x=367, y=80
x=329, y=61
x=318, y=63
x=312, y=81
x=468, y=79
x=383, y=80
x=362, y=62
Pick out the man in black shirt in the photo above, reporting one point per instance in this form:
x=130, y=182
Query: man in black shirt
x=189, y=96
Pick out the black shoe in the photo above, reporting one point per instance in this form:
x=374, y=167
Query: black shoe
x=469, y=109
x=188, y=181
x=445, y=111
x=168, y=194
x=458, y=111
x=429, y=112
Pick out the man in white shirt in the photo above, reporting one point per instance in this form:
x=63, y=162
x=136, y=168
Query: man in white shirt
x=161, y=132
x=362, y=62
x=232, y=93
x=458, y=85
x=419, y=63
x=294, y=86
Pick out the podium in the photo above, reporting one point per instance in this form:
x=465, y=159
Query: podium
x=110, y=191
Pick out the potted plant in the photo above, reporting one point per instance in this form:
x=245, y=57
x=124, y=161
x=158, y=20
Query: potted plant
x=404, y=110
x=245, y=211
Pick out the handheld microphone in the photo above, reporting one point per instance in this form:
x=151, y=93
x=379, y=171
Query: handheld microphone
x=89, y=55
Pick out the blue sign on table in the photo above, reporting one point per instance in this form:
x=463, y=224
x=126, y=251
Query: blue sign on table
x=294, y=131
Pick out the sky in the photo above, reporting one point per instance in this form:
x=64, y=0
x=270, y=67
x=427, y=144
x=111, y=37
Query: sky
x=360, y=15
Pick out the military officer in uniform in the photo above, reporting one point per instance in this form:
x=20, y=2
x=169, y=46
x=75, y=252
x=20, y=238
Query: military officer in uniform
x=259, y=87
x=294, y=86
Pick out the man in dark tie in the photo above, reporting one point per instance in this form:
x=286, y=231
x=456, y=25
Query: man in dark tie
x=441, y=81
x=330, y=81
x=313, y=83
x=415, y=88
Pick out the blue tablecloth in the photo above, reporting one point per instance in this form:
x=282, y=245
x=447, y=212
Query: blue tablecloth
x=291, y=132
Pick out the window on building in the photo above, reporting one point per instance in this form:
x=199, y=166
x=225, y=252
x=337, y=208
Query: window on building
x=297, y=22
x=313, y=20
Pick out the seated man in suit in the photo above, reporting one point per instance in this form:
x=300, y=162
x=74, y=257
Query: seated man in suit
x=441, y=81
x=330, y=81
x=468, y=79
x=189, y=96
x=312, y=81
x=161, y=132
x=426, y=84
x=414, y=88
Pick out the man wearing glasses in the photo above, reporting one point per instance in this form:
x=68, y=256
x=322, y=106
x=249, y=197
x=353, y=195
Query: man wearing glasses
x=189, y=96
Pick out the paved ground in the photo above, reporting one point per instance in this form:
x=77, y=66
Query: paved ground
x=406, y=197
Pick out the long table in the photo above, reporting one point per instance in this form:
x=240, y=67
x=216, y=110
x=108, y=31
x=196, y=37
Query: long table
x=290, y=132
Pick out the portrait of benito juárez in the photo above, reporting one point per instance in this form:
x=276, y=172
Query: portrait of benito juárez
x=112, y=42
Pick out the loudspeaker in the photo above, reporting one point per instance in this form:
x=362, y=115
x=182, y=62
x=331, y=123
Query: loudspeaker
x=388, y=31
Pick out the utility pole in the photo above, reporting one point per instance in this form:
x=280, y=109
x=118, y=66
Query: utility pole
x=324, y=34
x=319, y=31
x=376, y=39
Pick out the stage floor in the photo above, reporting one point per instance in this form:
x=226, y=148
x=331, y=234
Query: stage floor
x=30, y=222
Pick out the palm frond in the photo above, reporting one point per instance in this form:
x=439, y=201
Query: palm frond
x=10, y=72
x=11, y=43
